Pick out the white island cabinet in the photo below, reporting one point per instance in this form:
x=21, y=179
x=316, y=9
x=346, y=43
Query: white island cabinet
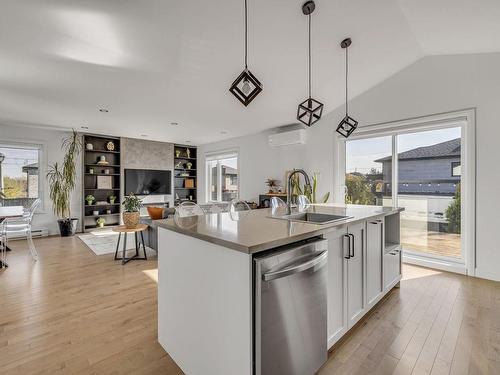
x=206, y=280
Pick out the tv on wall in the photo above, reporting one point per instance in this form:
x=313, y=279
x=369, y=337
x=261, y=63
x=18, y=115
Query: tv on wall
x=148, y=182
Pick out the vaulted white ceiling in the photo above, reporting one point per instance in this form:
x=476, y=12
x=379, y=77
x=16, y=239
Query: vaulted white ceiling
x=154, y=62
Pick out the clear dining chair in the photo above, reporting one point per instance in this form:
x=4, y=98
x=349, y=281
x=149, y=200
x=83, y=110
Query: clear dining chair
x=278, y=206
x=22, y=225
x=186, y=209
x=238, y=206
x=303, y=203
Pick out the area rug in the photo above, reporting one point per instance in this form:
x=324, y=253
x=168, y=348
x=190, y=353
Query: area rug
x=104, y=242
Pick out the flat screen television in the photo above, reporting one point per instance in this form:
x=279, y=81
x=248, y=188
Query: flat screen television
x=148, y=182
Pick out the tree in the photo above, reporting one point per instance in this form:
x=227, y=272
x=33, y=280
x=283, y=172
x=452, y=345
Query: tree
x=15, y=187
x=454, y=213
x=359, y=190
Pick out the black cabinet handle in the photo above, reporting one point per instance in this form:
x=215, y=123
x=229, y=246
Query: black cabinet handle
x=349, y=248
x=351, y=255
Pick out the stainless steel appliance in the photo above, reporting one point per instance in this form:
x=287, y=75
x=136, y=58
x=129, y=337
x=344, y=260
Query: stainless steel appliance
x=291, y=309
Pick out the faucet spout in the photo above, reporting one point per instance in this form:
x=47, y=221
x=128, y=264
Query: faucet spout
x=289, y=188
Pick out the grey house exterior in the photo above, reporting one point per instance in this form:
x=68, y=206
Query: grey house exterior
x=430, y=170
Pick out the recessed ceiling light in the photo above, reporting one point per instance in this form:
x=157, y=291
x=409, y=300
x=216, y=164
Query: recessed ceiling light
x=103, y=110
x=174, y=123
x=144, y=135
x=188, y=141
x=223, y=132
x=84, y=127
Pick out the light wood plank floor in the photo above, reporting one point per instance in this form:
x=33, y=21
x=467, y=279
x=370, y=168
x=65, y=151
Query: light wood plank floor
x=75, y=313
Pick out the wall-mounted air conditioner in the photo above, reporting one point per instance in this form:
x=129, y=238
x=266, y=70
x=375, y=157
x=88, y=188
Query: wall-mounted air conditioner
x=292, y=137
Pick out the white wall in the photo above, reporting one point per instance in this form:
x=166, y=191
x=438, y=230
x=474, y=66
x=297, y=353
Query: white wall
x=51, y=142
x=434, y=84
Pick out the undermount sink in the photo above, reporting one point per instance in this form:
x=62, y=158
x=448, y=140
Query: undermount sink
x=311, y=217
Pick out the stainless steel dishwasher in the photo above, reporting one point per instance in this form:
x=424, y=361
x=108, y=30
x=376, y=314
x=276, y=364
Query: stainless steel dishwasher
x=290, y=313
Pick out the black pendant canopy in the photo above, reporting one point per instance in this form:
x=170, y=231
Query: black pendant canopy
x=246, y=87
x=348, y=124
x=310, y=110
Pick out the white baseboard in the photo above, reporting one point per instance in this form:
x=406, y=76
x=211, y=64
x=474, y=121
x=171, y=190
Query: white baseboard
x=435, y=263
x=35, y=233
x=487, y=275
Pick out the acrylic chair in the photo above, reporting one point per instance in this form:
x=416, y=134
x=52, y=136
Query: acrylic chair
x=303, y=203
x=186, y=209
x=238, y=206
x=278, y=206
x=22, y=226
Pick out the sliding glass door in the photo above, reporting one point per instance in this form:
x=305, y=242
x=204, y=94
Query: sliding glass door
x=426, y=184
x=429, y=176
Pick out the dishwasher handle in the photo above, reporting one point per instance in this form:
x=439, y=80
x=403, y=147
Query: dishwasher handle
x=287, y=271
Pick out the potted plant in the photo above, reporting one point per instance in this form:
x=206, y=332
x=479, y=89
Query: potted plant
x=112, y=199
x=62, y=181
x=100, y=222
x=90, y=199
x=131, y=215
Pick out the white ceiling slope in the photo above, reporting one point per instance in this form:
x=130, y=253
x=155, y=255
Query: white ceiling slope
x=153, y=62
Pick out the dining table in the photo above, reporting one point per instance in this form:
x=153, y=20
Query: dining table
x=9, y=212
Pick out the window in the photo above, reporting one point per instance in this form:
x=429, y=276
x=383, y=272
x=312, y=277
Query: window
x=19, y=174
x=222, y=175
x=456, y=169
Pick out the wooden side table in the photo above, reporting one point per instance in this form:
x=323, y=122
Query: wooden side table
x=137, y=230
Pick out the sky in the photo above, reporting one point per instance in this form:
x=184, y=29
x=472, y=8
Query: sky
x=360, y=154
x=15, y=159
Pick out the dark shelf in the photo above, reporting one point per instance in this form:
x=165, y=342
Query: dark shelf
x=105, y=151
x=103, y=166
x=102, y=205
x=182, y=158
x=97, y=216
x=184, y=169
x=101, y=174
x=101, y=189
x=183, y=188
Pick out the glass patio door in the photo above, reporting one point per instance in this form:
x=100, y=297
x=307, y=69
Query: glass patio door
x=429, y=177
x=426, y=183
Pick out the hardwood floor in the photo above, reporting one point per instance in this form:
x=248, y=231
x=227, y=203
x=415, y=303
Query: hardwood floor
x=76, y=313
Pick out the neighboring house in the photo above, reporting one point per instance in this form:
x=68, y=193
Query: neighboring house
x=32, y=180
x=430, y=170
x=229, y=183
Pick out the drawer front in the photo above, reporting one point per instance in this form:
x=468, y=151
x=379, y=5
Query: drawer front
x=392, y=267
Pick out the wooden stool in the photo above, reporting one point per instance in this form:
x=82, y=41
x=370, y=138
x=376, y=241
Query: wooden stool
x=123, y=229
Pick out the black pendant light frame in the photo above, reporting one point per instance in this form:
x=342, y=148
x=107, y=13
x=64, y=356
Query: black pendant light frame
x=253, y=85
x=348, y=124
x=310, y=110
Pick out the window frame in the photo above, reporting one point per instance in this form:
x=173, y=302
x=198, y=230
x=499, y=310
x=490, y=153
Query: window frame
x=218, y=156
x=42, y=163
x=466, y=119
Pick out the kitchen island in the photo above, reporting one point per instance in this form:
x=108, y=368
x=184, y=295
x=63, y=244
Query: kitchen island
x=207, y=314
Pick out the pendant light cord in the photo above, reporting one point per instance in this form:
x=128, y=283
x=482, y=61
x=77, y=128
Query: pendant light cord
x=346, y=74
x=309, y=55
x=246, y=35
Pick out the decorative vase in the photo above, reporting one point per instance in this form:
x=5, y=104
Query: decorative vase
x=89, y=146
x=189, y=165
x=131, y=219
x=177, y=153
x=89, y=202
x=155, y=213
x=101, y=225
x=111, y=201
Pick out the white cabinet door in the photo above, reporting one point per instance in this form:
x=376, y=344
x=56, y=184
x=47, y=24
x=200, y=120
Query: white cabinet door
x=356, y=274
x=392, y=268
x=337, y=279
x=374, y=254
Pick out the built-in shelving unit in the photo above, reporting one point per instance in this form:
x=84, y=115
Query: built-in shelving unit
x=101, y=188
x=185, y=178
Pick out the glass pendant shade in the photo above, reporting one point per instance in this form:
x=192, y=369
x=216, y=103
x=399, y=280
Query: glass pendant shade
x=309, y=111
x=246, y=87
x=347, y=126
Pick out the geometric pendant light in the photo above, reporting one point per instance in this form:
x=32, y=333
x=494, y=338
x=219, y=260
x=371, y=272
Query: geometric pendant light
x=310, y=110
x=348, y=124
x=246, y=87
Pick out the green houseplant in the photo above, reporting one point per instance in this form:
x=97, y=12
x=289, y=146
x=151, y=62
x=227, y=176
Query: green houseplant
x=310, y=193
x=90, y=199
x=62, y=181
x=131, y=216
x=100, y=222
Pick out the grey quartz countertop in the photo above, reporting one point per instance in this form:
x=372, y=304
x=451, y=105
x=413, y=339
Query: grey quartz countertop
x=254, y=231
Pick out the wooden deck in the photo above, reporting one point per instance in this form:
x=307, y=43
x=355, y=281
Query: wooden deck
x=437, y=243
